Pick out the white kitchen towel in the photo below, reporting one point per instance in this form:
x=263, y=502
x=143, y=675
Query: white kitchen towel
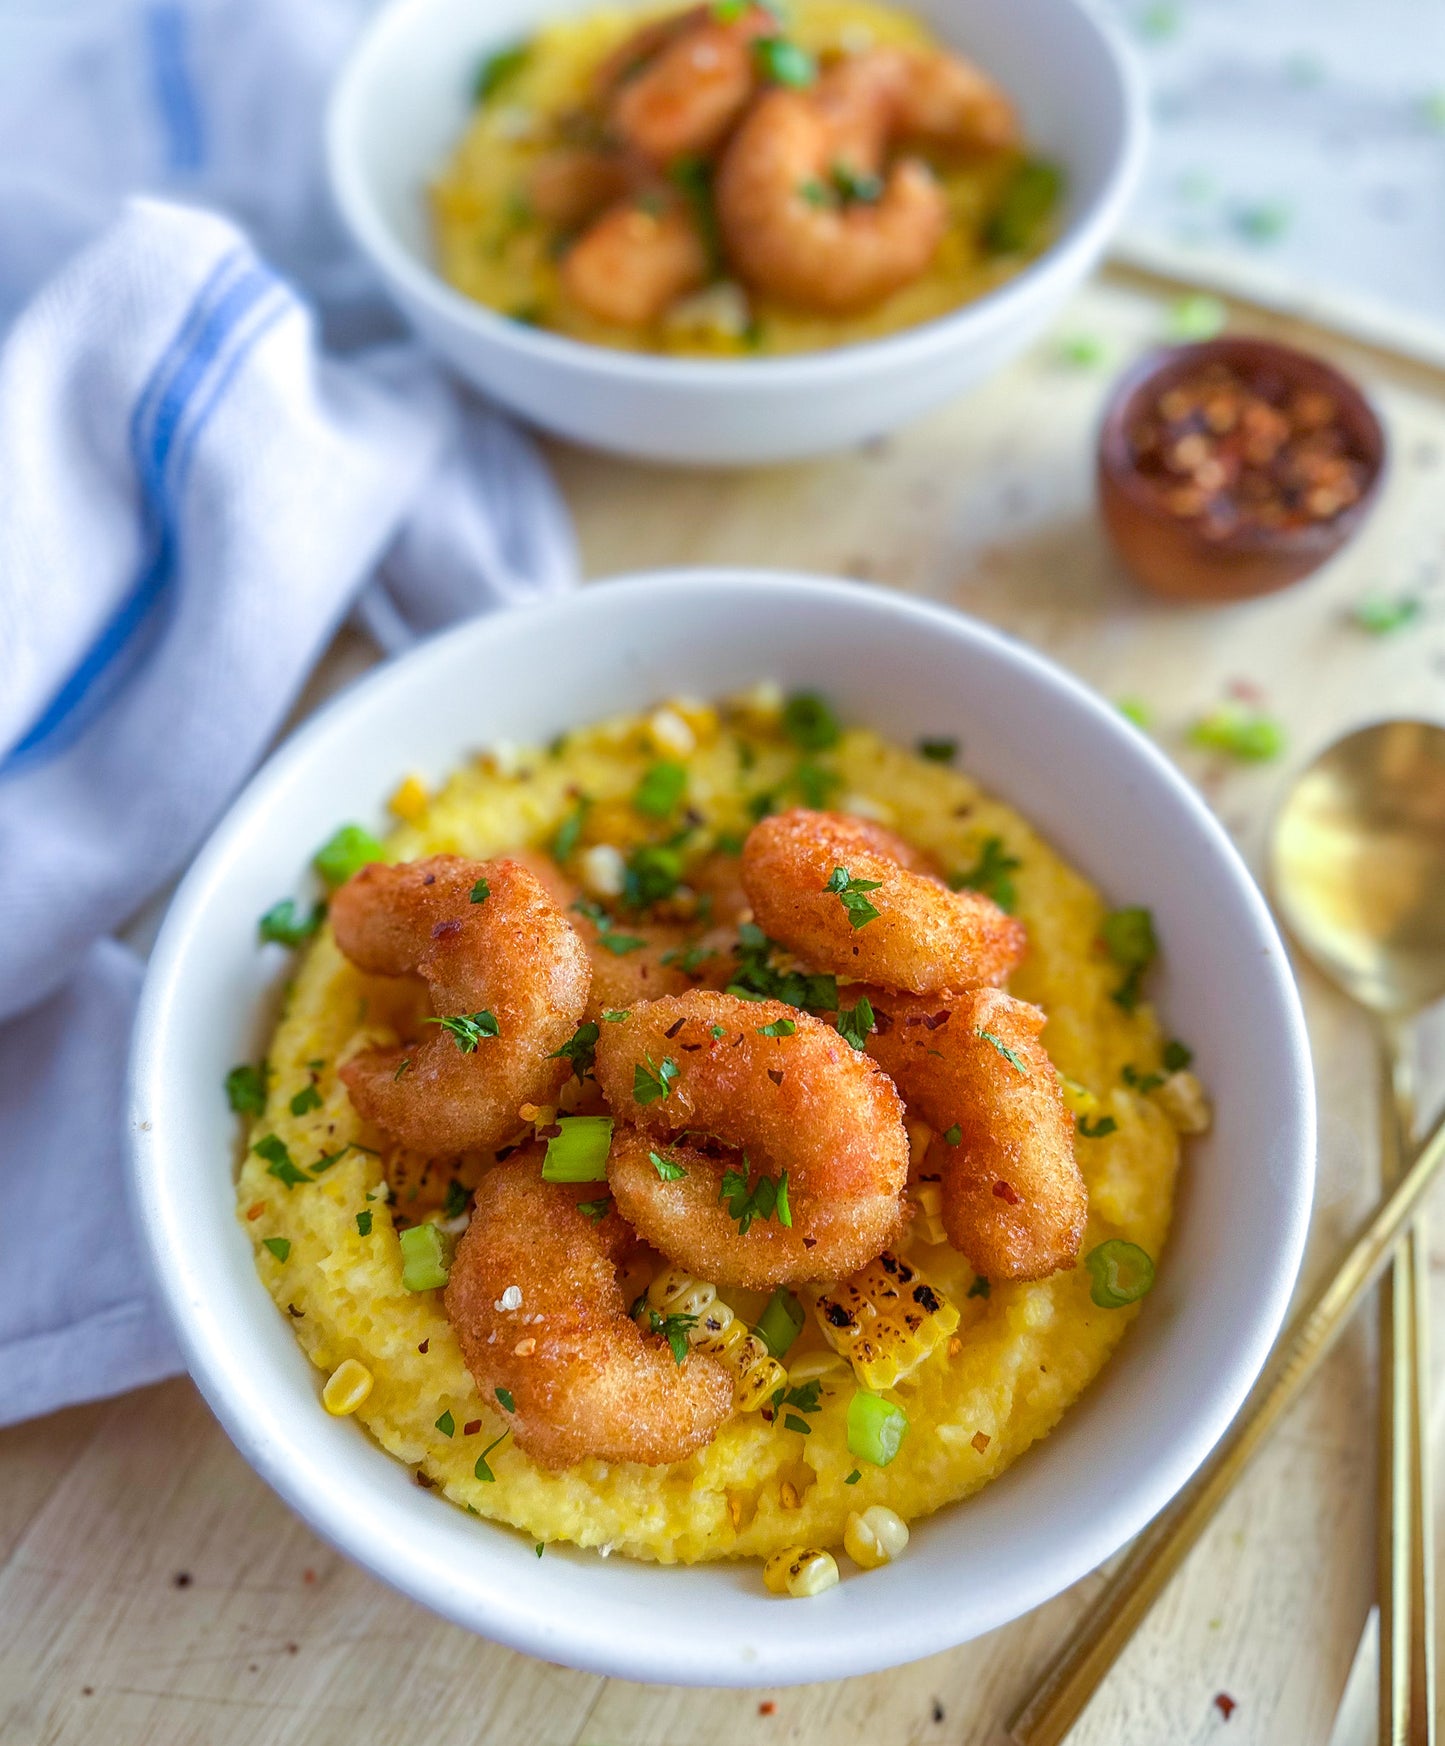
x=192, y=497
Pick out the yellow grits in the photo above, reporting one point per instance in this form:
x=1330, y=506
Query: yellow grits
x=1022, y=1353
x=489, y=245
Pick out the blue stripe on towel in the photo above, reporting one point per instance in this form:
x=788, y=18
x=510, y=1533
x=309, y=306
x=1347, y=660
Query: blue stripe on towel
x=217, y=315
x=173, y=88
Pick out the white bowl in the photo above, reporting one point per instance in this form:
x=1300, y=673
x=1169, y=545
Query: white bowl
x=1096, y=787
x=404, y=96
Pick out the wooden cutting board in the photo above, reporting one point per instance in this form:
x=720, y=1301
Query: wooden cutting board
x=153, y=1591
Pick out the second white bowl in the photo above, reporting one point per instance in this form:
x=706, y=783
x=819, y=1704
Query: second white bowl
x=405, y=95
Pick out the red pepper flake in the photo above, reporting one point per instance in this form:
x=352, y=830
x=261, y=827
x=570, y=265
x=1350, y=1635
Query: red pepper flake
x=291, y=1310
x=672, y=1030
x=1225, y=1704
x=471, y=1427
x=254, y=1212
x=767, y=1707
x=181, y=1579
x=980, y=1440
x=308, y=1576
x=1006, y=1191
x=776, y=1075
x=423, y=1481
x=424, y=1345
x=445, y=929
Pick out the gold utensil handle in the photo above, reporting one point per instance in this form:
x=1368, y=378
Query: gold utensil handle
x=1071, y=1680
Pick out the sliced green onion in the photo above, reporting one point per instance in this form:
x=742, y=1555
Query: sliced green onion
x=347, y=852
x=579, y=1152
x=424, y=1261
x=876, y=1428
x=660, y=789
x=809, y=722
x=1122, y=1273
x=781, y=1322
x=1246, y=734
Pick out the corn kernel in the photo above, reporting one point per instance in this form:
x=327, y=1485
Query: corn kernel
x=603, y=870
x=1184, y=1100
x=346, y=1388
x=865, y=806
x=700, y=717
x=811, y=1366
x=762, y=703
x=927, y=1198
x=410, y=800
x=788, y=1495
x=756, y=1384
x=919, y=1135
x=874, y=1537
x=800, y=1571
x=885, y=1320
x=1078, y=1098
x=670, y=735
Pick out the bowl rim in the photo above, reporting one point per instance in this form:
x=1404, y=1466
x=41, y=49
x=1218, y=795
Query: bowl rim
x=1161, y=364
x=271, y=1444
x=974, y=321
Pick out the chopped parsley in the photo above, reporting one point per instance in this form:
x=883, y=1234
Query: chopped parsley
x=661, y=787
x=667, y=1168
x=855, y=1022
x=616, y=1015
x=280, y=1247
x=856, y=187
x=305, y=1100
x=849, y=892
x=938, y=751
x=806, y=1398
x=481, y=891
x=447, y=1425
x=504, y=1399
x=1246, y=734
x=816, y=784
x=784, y=1027
x=565, y=837
x=717, y=1032
x=596, y=1210
x=402, y=1066
x=1177, y=1055
x=766, y=1199
x=980, y=1287
x=784, y=62
x=756, y=979
x=674, y=1329
x=499, y=69
x=809, y=722
x=1012, y=1056
x=469, y=1028
x=1129, y=939
x=812, y=192
x=853, y=1477
x=580, y=1048
x=327, y=1159
x=692, y=176
x=279, y=1162
x=607, y=935
x=990, y=874
x=455, y=1203
x=651, y=1084
x=346, y=852
x=482, y=1469
x=1092, y=1130
x=688, y=959
x=653, y=872
x=363, y=1222
x=285, y=925
x=953, y=1136
x=1141, y=1082
x=1017, y=222
x=246, y=1089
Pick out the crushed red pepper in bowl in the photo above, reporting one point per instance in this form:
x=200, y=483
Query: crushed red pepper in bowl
x=1235, y=467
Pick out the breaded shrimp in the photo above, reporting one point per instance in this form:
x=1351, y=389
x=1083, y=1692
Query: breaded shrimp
x=1014, y=1200
x=534, y=1299
x=510, y=959
x=924, y=937
x=572, y=184
x=678, y=86
x=634, y=261
x=799, y=1100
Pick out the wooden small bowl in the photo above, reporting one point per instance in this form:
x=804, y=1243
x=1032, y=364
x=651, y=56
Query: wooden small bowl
x=1172, y=555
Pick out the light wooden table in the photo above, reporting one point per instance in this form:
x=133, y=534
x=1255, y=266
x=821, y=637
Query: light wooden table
x=153, y=1591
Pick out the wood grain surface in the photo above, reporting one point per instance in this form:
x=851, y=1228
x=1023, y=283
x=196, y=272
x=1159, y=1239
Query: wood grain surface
x=153, y=1592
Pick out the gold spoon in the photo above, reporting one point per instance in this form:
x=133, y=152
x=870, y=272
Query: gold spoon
x=1396, y=773
x=1359, y=876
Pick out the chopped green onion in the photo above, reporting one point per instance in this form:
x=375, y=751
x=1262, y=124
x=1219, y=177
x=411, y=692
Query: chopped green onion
x=781, y=1322
x=1012, y=1056
x=662, y=786
x=1382, y=617
x=363, y=1222
x=1082, y=351
x=1197, y=317
x=809, y=722
x=349, y=850
x=580, y=1048
x=784, y=1027
x=1097, y=1130
x=280, y=1247
x=279, y=1161
x=784, y=62
x=305, y=1100
x=246, y=1089
x=876, y=1428
x=499, y=69
x=469, y=1028
x=667, y=1168
x=849, y=892
x=481, y=891
x=651, y=1084
x=938, y=751
x=284, y=924
x=424, y=1260
x=579, y=1152
x=990, y=874
x=447, y=1425
x=856, y=1022
x=1122, y=1273
x=1177, y=1055
x=564, y=838
x=1241, y=733
x=1017, y=222
x=483, y=1469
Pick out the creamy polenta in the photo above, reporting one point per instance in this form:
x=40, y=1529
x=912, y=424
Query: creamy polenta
x=537, y=98
x=323, y=1197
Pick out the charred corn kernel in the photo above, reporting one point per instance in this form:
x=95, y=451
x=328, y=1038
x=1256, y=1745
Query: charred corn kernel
x=1078, y=1098
x=700, y=717
x=718, y=1333
x=927, y=1224
x=919, y=1134
x=680, y=1294
x=875, y=1536
x=885, y=1320
x=756, y=1381
x=346, y=1387
x=603, y=870
x=410, y=800
x=669, y=734
x=800, y=1571
x=1185, y=1101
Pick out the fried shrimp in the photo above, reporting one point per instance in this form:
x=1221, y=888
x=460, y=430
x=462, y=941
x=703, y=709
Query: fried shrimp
x=634, y=261
x=544, y=1329
x=678, y=86
x=972, y=1066
x=813, y=877
x=572, y=184
x=506, y=964
x=786, y=1097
